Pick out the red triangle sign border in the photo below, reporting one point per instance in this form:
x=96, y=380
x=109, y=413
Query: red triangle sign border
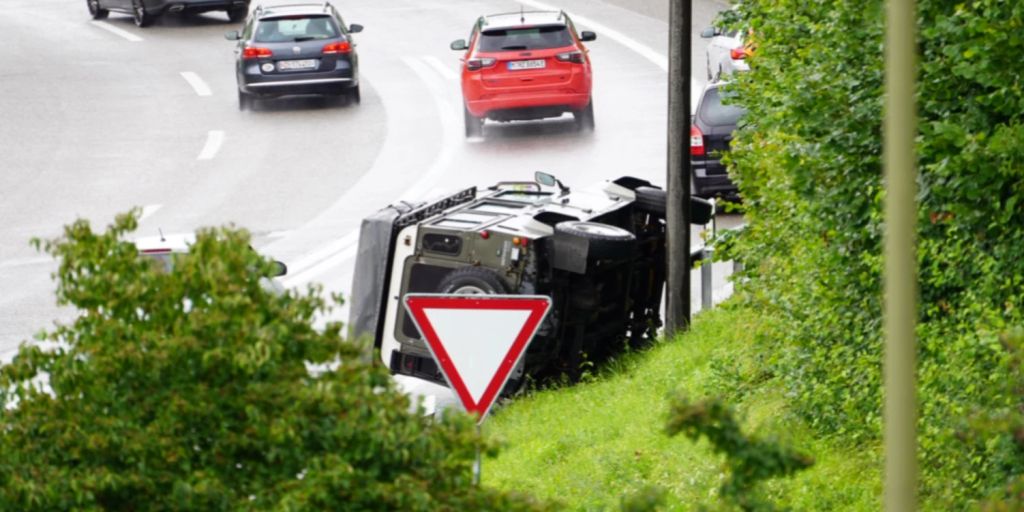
x=537, y=306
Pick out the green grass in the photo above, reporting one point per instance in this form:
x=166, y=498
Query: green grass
x=588, y=445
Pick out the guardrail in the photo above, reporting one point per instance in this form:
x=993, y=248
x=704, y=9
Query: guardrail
x=704, y=256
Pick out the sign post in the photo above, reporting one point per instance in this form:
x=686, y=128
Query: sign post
x=477, y=341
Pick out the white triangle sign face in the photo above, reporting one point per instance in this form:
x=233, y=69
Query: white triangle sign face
x=477, y=340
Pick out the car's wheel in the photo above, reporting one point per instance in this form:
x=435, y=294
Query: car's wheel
x=139, y=14
x=473, y=281
x=602, y=241
x=245, y=101
x=354, y=97
x=474, y=125
x=236, y=14
x=651, y=200
x=585, y=118
x=97, y=12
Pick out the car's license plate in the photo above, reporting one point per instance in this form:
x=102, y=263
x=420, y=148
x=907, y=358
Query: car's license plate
x=517, y=65
x=296, y=65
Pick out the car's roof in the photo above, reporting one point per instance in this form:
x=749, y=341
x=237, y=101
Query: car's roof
x=271, y=11
x=176, y=243
x=523, y=19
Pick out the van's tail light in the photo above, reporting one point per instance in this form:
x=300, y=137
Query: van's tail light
x=478, y=64
x=696, y=142
x=338, y=48
x=739, y=53
x=254, y=52
x=573, y=57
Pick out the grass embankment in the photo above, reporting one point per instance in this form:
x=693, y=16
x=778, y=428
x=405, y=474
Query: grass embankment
x=590, y=444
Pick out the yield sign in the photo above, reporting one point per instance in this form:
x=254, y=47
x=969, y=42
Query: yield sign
x=477, y=340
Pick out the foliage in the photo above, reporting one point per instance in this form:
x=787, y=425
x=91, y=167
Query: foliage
x=749, y=460
x=190, y=389
x=808, y=164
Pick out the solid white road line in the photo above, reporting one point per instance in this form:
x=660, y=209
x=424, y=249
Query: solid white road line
x=117, y=31
x=446, y=71
x=149, y=210
x=197, y=83
x=450, y=136
x=25, y=262
x=214, y=140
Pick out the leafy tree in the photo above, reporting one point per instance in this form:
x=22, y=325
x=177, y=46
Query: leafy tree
x=808, y=165
x=192, y=390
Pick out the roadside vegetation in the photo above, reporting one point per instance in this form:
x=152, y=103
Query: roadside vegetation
x=807, y=160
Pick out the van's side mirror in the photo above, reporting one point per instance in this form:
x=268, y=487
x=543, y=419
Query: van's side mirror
x=355, y=28
x=587, y=35
x=232, y=36
x=710, y=32
x=459, y=45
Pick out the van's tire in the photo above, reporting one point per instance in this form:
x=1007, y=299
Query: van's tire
x=651, y=200
x=603, y=241
x=473, y=281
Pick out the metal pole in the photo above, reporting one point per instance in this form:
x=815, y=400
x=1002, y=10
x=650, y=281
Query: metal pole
x=706, y=298
x=900, y=159
x=678, y=205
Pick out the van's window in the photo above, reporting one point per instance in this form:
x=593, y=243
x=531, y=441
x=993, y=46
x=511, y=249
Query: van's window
x=532, y=38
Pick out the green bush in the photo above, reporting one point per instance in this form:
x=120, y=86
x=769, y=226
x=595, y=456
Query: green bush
x=189, y=390
x=808, y=164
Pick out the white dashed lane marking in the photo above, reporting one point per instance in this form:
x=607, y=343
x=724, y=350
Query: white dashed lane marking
x=117, y=31
x=214, y=140
x=197, y=83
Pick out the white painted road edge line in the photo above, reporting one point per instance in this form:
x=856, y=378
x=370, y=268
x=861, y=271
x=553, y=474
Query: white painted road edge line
x=214, y=140
x=118, y=32
x=26, y=262
x=149, y=210
x=197, y=83
x=446, y=71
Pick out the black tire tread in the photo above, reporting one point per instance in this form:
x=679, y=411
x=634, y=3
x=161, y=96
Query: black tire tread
x=483, y=278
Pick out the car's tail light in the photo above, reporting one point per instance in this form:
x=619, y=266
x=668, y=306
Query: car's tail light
x=254, y=52
x=336, y=48
x=478, y=64
x=573, y=57
x=739, y=53
x=696, y=142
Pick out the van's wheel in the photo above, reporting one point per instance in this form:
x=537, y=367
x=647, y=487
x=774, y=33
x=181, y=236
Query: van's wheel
x=474, y=125
x=603, y=241
x=651, y=200
x=473, y=281
x=97, y=12
x=585, y=118
x=139, y=14
x=236, y=14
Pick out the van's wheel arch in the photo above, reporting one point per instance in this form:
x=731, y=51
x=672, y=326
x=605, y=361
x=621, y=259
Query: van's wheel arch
x=473, y=281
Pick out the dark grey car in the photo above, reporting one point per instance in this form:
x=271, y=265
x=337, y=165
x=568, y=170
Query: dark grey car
x=296, y=49
x=145, y=11
x=710, y=136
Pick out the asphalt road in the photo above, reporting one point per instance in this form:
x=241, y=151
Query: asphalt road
x=100, y=117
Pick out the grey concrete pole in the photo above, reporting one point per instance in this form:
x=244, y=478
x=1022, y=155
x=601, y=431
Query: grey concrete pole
x=677, y=309
x=900, y=160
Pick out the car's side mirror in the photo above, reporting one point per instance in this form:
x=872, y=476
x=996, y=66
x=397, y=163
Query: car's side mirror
x=710, y=32
x=232, y=36
x=459, y=45
x=280, y=269
x=701, y=210
x=587, y=35
x=355, y=28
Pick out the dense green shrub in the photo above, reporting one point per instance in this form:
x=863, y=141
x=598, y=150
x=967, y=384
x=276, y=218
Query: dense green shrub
x=189, y=390
x=808, y=163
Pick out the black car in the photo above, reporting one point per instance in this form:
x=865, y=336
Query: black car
x=710, y=135
x=145, y=11
x=296, y=49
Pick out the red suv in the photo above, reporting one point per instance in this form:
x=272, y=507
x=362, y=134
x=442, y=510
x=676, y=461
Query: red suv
x=526, y=65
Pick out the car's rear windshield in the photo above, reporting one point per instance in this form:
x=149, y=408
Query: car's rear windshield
x=530, y=38
x=295, y=29
x=716, y=113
